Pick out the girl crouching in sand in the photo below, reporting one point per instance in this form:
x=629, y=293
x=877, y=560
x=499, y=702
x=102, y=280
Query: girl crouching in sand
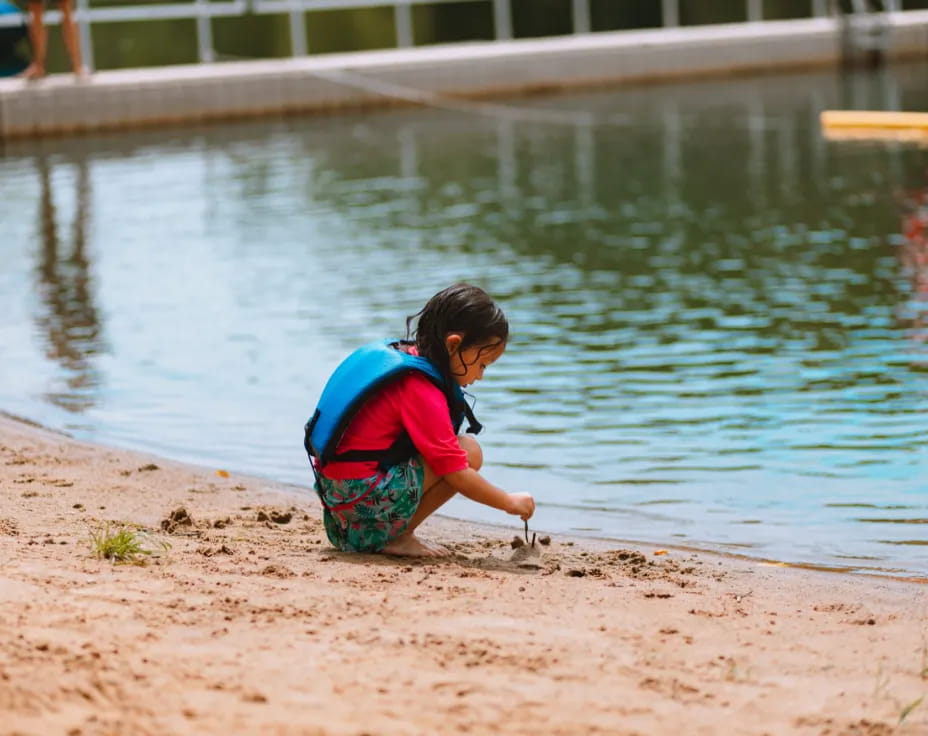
x=383, y=440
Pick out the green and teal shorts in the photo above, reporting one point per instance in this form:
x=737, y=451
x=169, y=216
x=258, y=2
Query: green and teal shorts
x=364, y=514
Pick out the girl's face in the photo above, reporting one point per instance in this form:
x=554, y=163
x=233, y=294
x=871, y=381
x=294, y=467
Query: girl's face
x=468, y=365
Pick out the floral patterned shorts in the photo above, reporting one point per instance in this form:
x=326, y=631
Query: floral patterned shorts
x=364, y=514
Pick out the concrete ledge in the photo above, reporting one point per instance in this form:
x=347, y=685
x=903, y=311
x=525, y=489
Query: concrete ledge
x=152, y=96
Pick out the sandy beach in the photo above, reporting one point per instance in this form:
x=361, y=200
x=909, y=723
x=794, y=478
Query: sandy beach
x=249, y=622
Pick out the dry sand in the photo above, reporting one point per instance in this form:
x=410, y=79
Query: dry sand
x=252, y=624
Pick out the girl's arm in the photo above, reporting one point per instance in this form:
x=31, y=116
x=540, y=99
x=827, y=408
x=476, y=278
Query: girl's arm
x=477, y=488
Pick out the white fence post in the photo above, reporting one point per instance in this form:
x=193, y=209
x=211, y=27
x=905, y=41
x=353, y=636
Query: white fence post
x=670, y=13
x=581, y=12
x=85, y=37
x=297, y=29
x=204, y=32
x=402, y=17
x=755, y=10
x=820, y=8
x=502, y=19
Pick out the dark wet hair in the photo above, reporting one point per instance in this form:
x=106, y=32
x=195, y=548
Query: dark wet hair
x=462, y=308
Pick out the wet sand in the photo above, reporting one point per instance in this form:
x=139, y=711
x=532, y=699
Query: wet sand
x=251, y=623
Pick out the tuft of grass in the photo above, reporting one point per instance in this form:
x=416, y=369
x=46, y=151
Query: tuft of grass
x=123, y=544
x=909, y=708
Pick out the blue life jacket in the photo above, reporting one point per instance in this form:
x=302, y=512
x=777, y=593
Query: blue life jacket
x=366, y=371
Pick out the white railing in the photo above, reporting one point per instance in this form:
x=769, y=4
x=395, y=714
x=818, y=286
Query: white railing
x=204, y=10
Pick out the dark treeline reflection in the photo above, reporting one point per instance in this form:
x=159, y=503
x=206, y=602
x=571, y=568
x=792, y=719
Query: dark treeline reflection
x=68, y=320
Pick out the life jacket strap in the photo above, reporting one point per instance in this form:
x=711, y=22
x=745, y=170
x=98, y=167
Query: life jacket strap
x=473, y=426
x=399, y=452
x=402, y=448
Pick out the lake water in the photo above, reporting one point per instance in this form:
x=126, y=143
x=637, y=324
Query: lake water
x=718, y=316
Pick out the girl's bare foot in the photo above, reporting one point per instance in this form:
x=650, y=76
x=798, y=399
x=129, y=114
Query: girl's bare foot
x=409, y=545
x=441, y=549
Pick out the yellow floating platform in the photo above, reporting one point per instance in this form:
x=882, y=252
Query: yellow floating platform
x=875, y=119
x=875, y=124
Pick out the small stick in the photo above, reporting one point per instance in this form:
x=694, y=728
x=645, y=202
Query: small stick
x=526, y=534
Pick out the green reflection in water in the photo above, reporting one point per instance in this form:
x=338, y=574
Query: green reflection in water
x=906, y=542
x=864, y=506
x=893, y=521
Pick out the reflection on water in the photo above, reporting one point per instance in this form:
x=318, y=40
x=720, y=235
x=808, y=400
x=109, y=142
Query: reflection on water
x=68, y=318
x=716, y=335
x=913, y=255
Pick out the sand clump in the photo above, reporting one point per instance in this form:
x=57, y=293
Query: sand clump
x=177, y=520
x=275, y=516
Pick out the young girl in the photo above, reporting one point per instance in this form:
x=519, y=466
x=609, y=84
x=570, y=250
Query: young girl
x=383, y=440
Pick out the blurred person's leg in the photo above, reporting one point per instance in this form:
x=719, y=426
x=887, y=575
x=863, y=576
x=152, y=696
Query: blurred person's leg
x=69, y=34
x=38, y=39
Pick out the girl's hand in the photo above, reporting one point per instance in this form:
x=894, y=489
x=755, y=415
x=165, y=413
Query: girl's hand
x=521, y=505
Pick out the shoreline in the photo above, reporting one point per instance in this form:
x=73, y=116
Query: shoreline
x=251, y=623
x=306, y=494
